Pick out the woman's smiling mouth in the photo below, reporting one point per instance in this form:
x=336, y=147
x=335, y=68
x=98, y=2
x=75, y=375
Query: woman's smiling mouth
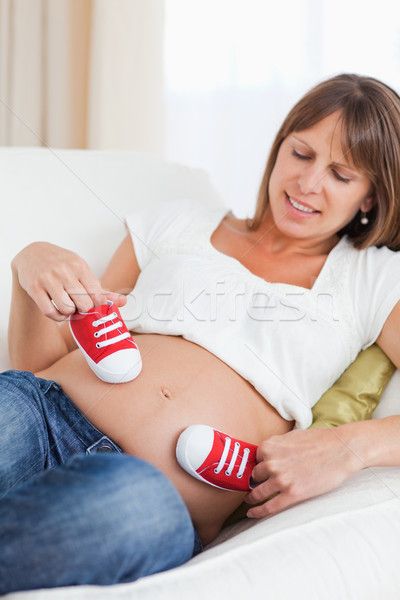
x=298, y=206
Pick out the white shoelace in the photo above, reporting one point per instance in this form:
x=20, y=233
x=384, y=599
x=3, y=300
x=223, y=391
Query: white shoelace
x=105, y=330
x=234, y=457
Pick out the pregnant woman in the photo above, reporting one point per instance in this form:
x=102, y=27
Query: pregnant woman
x=241, y=325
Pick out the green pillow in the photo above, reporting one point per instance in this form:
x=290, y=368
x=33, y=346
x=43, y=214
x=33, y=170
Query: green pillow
x=357, y=392
x=353, y=397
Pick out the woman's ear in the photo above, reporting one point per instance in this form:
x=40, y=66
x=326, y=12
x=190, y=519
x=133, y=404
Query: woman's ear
x=368, y=203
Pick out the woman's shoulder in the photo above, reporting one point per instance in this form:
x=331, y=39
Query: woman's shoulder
x=186, y=217
x=175, y=224
x=372, y=260
x=371, y=251
x=155, y=224
x=171, y=214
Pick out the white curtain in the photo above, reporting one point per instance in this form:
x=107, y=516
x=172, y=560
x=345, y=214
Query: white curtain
x=234, y=69
x=82, y=73
x=126, y=78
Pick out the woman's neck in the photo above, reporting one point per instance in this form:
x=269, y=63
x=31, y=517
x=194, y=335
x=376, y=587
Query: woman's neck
x=274, y=241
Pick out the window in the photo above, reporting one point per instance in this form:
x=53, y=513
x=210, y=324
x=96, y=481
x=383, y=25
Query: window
x=233, y=69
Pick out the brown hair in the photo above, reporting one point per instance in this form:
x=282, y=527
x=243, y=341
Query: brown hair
x=370, y=119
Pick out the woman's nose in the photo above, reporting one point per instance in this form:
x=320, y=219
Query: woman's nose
x=311, y=180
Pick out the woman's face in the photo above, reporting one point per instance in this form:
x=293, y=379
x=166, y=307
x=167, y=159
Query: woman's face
x=314, y=190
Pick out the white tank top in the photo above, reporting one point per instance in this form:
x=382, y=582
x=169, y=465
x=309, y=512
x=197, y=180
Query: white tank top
x=289, y=342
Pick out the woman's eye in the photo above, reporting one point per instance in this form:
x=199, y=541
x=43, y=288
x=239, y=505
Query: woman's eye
x=300, y=156
x=340, y=177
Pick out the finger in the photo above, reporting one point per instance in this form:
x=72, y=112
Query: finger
x=262, y=492
x=97, y=293
x=47, y=307
x=90, y=288
x=260, y=453
x=89, y=293
x=69, y=294
x=118, y=299
x=83, y=300
x=101, y=296
x=260, y=472
x=271, y=507
x=66, y=300
x=63, y=315
x=93, y=289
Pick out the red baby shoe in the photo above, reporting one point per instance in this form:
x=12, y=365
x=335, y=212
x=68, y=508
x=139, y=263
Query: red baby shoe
x=215, y=458
x=106, y=343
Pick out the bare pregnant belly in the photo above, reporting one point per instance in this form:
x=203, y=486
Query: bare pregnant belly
x=180, y=384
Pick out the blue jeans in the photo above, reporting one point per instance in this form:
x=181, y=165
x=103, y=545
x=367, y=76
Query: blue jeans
x=73, y=508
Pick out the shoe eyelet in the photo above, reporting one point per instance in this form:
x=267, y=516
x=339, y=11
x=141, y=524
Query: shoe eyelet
x=215, y=471
x=96, y=334
x=98, y=345
x=239, y=476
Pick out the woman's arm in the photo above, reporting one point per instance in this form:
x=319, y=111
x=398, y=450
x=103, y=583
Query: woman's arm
x=389, y=338
x=303, y=464
x=44, y=272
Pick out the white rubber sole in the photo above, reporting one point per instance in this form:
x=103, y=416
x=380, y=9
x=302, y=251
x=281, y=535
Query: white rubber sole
x=113, y=377
x=123, y=376
x=193, y=446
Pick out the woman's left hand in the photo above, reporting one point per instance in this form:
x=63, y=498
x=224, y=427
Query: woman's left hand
x=299, y=465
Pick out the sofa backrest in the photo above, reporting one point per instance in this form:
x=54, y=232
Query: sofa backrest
x=78, y=199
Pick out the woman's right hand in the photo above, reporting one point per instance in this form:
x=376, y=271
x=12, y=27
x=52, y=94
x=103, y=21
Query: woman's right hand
x=302, y=464
x=59, y=281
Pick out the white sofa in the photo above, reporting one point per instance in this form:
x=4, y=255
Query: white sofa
x=344, y=545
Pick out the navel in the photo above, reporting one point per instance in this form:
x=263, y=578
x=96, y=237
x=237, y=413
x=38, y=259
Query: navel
x=166, y=393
